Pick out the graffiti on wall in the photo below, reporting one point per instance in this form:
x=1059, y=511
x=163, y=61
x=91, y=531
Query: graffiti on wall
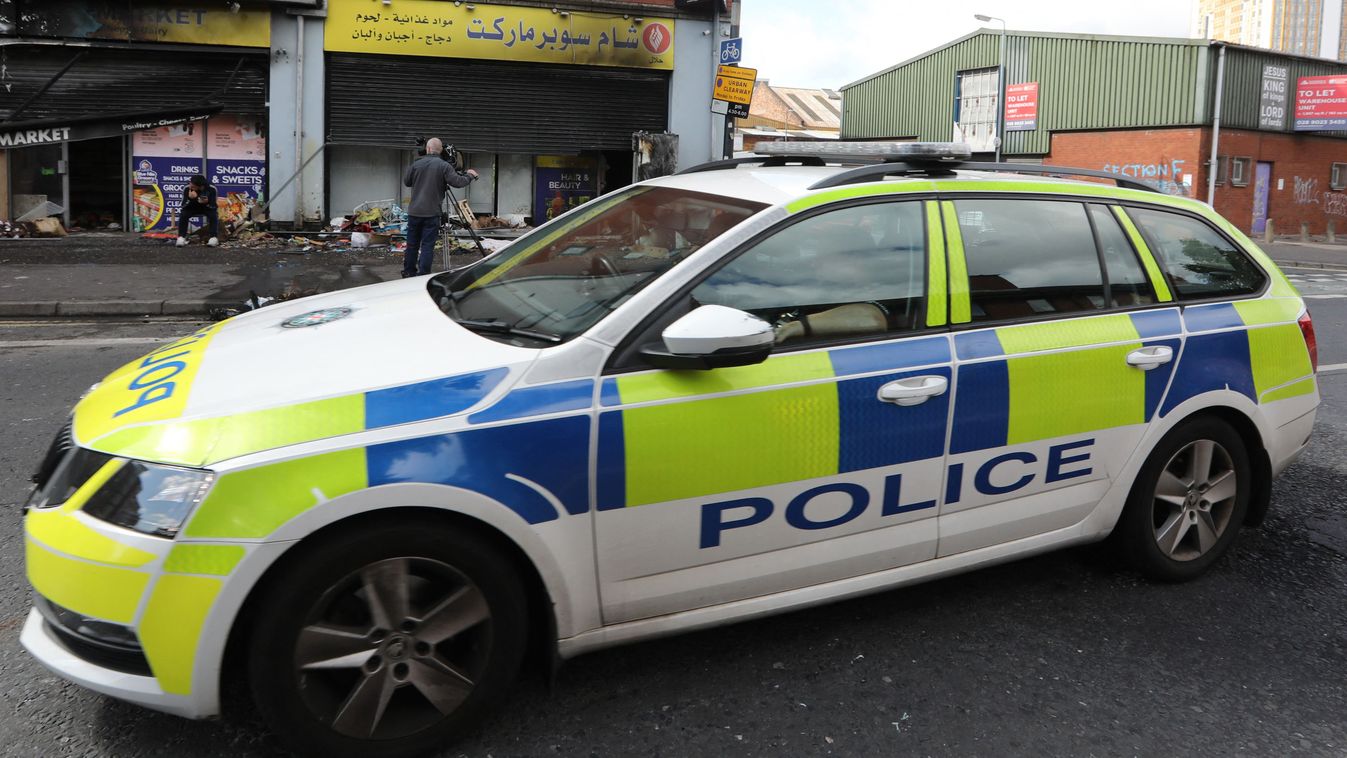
x=1165, y=174
x=1306, y=192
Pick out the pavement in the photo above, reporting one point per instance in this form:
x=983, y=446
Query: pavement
x=100, y=274
x=105, y=274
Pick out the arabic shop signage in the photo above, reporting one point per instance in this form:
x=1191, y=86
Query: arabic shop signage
x=498, y=32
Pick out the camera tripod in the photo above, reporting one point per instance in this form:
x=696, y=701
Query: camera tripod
x=446, y=227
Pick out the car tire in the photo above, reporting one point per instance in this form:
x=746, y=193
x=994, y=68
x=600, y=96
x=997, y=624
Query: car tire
x=1188, y=501
x=387, y=641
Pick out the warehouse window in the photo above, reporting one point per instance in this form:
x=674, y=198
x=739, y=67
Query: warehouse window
x=1239, y=171
x=1222, y=168
x=1338, y=179
x=975, y=109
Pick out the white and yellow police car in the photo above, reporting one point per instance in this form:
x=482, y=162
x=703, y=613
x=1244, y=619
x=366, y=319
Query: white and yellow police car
x=751, y=387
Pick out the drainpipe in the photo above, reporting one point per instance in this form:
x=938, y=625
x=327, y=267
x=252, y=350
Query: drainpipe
x=1216, y=126
x=717, y=135
x=299, y=123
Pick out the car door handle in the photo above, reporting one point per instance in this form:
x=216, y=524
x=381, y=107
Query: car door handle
x=1147, y=358
x=913, y=390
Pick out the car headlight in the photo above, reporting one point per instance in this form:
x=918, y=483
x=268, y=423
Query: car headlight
x=150, y=498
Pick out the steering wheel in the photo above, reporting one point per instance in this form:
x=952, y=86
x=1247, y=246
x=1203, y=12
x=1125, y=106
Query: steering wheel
x=601, y=260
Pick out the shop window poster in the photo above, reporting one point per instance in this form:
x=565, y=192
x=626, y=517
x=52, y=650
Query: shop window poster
x=561, y=183
x=237, y=164
x=163, y=162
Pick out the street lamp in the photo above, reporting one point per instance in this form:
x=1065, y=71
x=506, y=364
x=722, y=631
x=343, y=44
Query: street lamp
x=1000, y=84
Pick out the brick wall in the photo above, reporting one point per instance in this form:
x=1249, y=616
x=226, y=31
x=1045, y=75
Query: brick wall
x=1299, y=187
x=770, y=110
x=1169, y=158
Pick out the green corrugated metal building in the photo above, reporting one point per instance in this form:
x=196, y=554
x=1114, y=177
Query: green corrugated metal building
x=1142, y=106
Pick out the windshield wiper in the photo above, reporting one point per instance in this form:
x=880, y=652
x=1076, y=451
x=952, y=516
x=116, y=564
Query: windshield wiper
x=500, y=327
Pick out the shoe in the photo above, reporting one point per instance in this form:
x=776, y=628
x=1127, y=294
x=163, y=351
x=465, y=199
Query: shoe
x=182, y=242
x=213, y=242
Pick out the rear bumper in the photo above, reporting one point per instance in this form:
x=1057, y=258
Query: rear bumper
x=41, y=643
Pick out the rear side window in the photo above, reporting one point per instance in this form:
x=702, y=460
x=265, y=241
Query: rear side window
x=1201, y=263
x=1127, y=282
x=1029, y=258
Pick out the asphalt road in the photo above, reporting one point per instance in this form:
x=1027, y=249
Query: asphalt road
x=1063, y=654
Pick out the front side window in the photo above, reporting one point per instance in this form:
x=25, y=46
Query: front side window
x=854, y=272
x=555, y=283
x=1201, y=263
x=1029, y=258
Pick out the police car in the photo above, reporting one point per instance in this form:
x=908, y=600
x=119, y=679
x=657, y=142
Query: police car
x=755, y=386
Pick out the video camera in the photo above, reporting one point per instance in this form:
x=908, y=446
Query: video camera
x=448, y=154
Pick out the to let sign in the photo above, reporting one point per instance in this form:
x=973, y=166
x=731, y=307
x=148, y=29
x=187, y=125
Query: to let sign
x=734, y=85
x=1321, y=103
x=1022, y=107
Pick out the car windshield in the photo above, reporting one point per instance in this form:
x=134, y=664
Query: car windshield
x=559, y=280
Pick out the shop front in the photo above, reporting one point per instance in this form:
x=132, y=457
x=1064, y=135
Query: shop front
x=110, y=109
x=542, y=103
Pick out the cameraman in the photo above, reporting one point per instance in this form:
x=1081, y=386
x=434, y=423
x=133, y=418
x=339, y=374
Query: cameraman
x=428, y=177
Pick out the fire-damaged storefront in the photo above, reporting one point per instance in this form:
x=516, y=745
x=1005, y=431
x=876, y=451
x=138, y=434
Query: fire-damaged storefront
x=109, y=108
x=543, y=103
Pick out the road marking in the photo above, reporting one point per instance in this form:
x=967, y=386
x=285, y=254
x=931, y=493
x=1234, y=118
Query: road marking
x=1335, y=296
x=1333, y=368
x=104, y=342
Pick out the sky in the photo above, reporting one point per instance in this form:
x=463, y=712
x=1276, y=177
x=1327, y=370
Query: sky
x=829, y=43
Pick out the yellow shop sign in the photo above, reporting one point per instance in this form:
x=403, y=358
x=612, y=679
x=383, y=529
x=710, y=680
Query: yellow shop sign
x=498, y=32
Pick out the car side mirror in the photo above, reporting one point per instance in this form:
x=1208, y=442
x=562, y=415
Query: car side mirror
x=712, y=336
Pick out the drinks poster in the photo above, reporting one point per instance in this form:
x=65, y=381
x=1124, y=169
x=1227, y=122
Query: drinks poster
x=163, y=162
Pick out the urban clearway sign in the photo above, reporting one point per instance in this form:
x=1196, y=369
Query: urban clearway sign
x=734, y=85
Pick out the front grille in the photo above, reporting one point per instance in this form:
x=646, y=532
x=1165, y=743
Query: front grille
x=76, y=634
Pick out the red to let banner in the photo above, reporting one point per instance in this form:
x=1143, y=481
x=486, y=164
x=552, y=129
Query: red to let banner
x=1321, y=103
x=1022, y=107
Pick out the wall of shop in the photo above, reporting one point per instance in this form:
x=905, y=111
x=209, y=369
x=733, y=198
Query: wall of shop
x=690, y=115
x=302, y=201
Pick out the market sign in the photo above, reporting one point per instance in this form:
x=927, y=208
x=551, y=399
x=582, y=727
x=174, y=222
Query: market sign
x=1321, y=103
x=498, y=32
x=734, y=85
x=1022, y=107
x=52, y=132
x=146, y=21
x=1272, y=100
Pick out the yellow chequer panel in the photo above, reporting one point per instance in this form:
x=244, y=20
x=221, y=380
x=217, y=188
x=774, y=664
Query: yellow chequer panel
x=104, y=592
x=759, y=439
x=1058, y=394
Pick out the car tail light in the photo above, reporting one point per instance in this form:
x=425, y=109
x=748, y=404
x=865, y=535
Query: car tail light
x=1307, y=329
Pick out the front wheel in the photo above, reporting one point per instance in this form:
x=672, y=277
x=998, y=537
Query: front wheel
x=388, y=641
x=1188, y=501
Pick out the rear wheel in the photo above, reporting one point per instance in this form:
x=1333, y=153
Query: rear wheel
x=387, y=642
x=1188, y=501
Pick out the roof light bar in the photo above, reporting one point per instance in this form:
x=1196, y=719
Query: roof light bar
x=884, y=151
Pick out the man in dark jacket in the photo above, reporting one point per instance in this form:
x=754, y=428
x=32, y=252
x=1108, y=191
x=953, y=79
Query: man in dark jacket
x=428, y=177
x=199, y=200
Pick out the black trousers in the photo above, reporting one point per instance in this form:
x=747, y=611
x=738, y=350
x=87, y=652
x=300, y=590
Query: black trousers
x=193, y=210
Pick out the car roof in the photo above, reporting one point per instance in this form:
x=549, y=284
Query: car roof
x=782, y=184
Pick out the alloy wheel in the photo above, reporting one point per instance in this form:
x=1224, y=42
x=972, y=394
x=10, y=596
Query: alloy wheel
x=1194, y=499
x=393, y=648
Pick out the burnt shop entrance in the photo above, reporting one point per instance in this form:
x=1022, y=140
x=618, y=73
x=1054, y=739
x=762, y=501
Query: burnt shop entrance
x=523, y=126
x=89, y=96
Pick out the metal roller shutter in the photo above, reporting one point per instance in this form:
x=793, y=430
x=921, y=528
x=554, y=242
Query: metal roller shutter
x=117, y=81
x=491, y=106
